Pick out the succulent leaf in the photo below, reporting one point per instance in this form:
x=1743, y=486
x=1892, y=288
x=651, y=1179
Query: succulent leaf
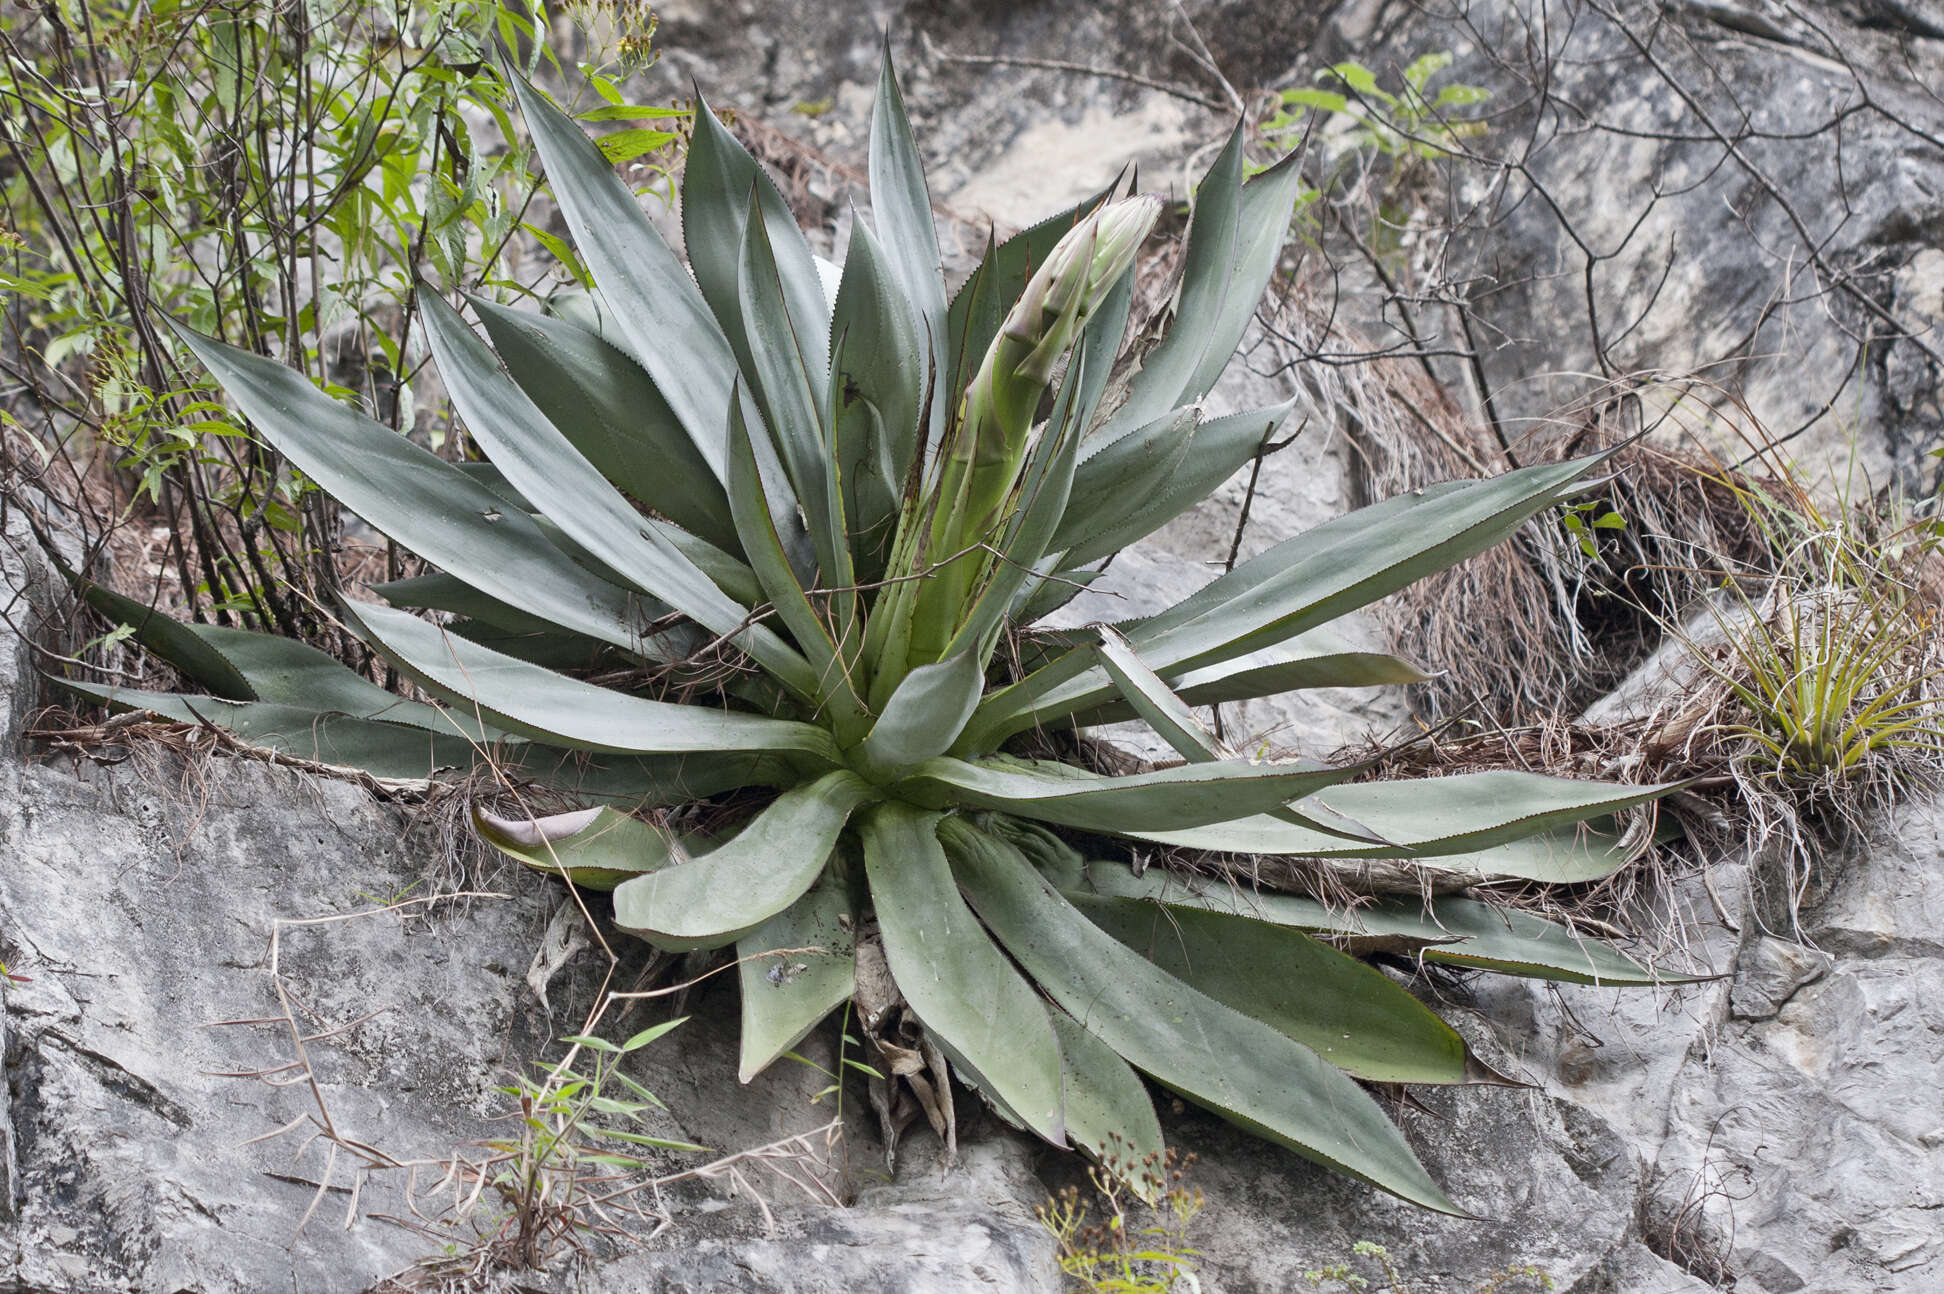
x=1346, y=1011
x=959, y=984
x=1108, y=1111
x=725, y=894
x=564, y=711
x=1263, y=1080
x=657, y=308
x=1188, y=797
x=796, y=968
x=1452, y=930
x=420, y=500
x=1497, y=823
x=878, y=398
x=596, y=849
x=609, y=408
x=787, y=517
x=721, y=185
x=901, y=207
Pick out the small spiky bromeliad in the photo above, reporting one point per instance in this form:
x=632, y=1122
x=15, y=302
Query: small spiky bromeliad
x=788, y=515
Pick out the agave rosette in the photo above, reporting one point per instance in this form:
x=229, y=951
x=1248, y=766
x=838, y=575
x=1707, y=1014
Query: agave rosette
x=802, y=525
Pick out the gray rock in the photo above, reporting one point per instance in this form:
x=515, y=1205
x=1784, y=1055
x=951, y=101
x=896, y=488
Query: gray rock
x=1768, y=975
x=1781, y=1127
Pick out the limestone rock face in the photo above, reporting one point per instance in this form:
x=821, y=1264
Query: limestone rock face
x=1779, y=1124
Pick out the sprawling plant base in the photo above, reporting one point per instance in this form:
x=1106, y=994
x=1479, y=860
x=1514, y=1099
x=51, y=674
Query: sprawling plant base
x=791, y=530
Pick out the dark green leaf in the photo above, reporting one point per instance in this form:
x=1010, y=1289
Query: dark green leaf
x=1237, y=1066
x=607, y=406
x=567, y=712
x=1349, y=1013
x=423, y=502
x=656, y=306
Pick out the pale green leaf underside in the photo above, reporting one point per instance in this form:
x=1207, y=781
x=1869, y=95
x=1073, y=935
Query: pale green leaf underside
x=796, y=968
x=595, y=849
x=723, y=895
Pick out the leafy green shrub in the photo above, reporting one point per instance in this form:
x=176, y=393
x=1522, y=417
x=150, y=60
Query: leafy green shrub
x=790, y=535
x=272, y=174
x=1412, y=124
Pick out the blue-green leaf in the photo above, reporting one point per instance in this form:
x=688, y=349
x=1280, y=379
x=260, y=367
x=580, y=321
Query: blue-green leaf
x=960, y=986
x=725, y=894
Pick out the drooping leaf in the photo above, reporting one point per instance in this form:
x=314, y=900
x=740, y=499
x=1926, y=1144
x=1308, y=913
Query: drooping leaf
x=608, y=407
x=960, y=986
x=723, y=895
x=1346, y=1011
x=1499, y=823
x=288, y=672
x=169, y=638
x=796, y=968
x=595, y=849
x=394, y=751
x=1319, y=658
x=1235, y=1065
x=1156, y=703
x=1107, y=1107
x=1452, y=930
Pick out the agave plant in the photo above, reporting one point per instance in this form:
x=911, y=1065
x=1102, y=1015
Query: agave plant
x=769, y=527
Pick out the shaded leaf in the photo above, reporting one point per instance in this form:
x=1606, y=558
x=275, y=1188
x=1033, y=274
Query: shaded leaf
x=653, y=303
x=420, y=500
x=568, y=712
x=596, y=849
x=796, y=968
x=608, y=407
